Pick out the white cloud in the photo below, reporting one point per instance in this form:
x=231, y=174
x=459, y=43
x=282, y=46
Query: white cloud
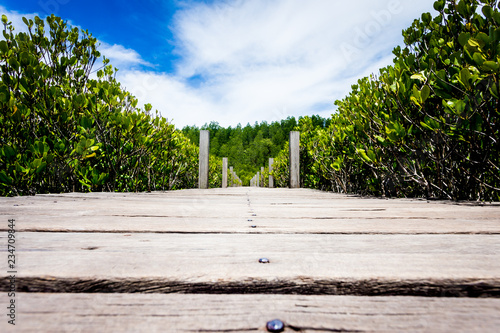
x=170, y=95
x=16, y=18
x=266, y=60
x=252, y=60
x=121, y=57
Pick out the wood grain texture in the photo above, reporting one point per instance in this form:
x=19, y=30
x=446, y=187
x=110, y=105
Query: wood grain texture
x=187, y=261
x=230, y=257
x=249, y=313
x=280, y=211
x=303, y=286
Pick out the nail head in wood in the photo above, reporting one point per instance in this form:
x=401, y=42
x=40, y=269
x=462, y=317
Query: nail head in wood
x=275, y=325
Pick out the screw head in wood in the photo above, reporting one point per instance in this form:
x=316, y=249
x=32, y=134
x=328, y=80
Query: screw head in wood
x=264, y=261
x=275, y=325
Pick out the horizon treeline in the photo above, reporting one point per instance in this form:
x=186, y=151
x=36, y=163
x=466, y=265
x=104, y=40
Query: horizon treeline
x=249, y=148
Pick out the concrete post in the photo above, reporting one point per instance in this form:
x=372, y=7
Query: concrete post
x=271, y=178
x=231, y=172
x=294, y=159
x=204, y=159
x=224, y=172
x=257, y=178
x=263, y=183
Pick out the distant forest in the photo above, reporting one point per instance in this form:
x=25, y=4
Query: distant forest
x=249, y=148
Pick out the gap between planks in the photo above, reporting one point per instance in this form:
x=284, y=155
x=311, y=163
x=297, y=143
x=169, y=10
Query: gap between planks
x=303, y=286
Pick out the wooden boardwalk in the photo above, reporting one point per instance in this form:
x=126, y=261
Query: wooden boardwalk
x=188, y=261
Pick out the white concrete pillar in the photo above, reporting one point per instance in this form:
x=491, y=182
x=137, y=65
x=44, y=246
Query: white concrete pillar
x=224, y=172
x=294, y=159
x=271, y=178
x=204, y=159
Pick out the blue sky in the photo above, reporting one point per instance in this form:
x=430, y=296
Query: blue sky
x=237, y=61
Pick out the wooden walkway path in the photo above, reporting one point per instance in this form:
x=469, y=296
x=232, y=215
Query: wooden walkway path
x=188, y=261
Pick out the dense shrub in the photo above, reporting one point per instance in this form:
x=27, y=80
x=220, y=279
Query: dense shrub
x=426, y=126
x=62, y=130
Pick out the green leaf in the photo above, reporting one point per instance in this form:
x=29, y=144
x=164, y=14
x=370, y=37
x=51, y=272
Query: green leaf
x=363, y=155
x=38, y=164
x=462, y=9
x=371, y=155
x=416, y=92
x=9, y=152
x=424, y=93
x=426, y=126
x=494, y=90
x=4, y=98
x=494, y=34
x=415, y=100
x=487, y=11
x=463, y=38
x=439, y=5
x=22, y=88
x=478, y=58
x=4, y=47
x=380, y=139
x=418, y=76
x=14, y=63
x=456, y=106
x=465, y=76
x=426, y=18
x=483, y=39
x=336, y=165
x=4, y=178
x=490, y=65
x=473, y=42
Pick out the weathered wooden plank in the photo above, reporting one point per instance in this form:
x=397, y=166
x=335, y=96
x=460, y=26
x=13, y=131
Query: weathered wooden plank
x=308, y=224
x=249, y=313
x=228, y=211
x=303, y=286
x=209, y=241
x=298, y=263
x=242, y=225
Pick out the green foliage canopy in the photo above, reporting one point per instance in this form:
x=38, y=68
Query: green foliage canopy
x=426, y=126
x=62, y=130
